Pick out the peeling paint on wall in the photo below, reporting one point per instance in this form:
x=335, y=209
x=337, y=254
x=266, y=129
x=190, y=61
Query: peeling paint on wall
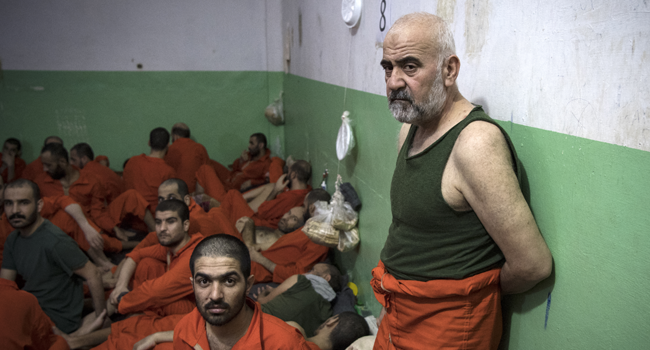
x=445, y=10
x=477, y=14
x=71, y=123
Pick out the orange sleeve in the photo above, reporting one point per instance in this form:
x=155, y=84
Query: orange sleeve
x=150, y=240
x=157, y=252
x=276, y=169
x=312, y=254
x=97, y=208
x=172, y=286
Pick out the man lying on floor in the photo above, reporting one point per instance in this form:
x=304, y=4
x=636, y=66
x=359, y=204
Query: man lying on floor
x=304, y=299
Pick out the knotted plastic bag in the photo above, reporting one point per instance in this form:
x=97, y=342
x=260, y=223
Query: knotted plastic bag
x=348, y=240
x=345, y=139
x=274, y=112
x=319, y=227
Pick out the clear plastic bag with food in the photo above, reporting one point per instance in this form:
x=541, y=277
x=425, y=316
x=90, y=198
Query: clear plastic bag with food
x=343, y=216
x=319, y=227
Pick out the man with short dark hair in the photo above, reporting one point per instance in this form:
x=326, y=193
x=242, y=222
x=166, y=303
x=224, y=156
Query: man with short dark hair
x=83, y=157
x=185, y=155
x=35, y=169
x=247, y=171
x=55, y=277
x=144, y=173
x=462, y=232
x=224, y=317
x=338, y=332
x=87, y=190
x=304, y=298
x=11, y=165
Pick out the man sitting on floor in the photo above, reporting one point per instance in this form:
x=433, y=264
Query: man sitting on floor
x=11, y=165
x=83, y=157
x=144, y=173
x=35, y=169
x=224, y=318
x=304, y=299
x=185, y=155
x=87, y=190
x=55, y=276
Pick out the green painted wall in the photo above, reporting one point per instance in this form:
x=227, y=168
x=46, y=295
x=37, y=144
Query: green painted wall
x=590, y=199
x=114, y=111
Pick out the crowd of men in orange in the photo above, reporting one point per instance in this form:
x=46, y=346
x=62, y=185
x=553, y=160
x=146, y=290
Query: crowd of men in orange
x=165, y=255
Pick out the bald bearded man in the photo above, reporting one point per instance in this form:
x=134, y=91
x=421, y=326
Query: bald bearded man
x=35, y=168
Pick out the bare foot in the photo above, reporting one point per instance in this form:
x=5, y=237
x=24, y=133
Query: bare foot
x=123, y=235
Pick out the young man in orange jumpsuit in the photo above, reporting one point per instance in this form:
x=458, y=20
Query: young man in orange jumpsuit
x=83, y=157
x=185, y=155
x=86, y=189
x=159, y=278
x=11, y=165
x=461, y=231
x=248, y=171
x=267, y=204
x=224, y=317
x=35, y=169
x=144, y=173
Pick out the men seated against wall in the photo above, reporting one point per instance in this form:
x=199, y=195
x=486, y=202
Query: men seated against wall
x=11, y=165
x=224, y=317
x=185, y=155
x=338, y=332
x=267, y=204
x=49, y=261
x=144, y=173
x=35, y=169
x=153, y=281
x=248, y=171
x=83, y=157
x=304, y=299
x=86, y=189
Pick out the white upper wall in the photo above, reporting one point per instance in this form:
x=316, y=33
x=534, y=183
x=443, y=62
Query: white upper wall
x=95, y=35
x=575, y=67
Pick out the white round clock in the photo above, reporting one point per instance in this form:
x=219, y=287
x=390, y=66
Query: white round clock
x=351, y=12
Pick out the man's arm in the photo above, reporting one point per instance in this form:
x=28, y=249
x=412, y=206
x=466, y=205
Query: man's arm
x=8, y=274
x=261, y=259
x=248, y=230
x=270, y=293
x=280, y=185
x=154, y=339
x=93, y=277
x=92, y=236
x=483, y=164
x=123, y=278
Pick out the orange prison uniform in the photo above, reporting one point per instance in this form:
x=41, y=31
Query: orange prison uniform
x=5, y=230
x=90, y=194
x=125, y=333
x=293, y=254
x=276, y=169
x=113, y=183
x=54, y=210
x=269, y=213
x=168, y=293
x=185, y=156
x=19, y=168
x=100, y=158
x=221, y=180
x=24, y=324
x=145, y=174
x=264, y=332
x=438, y=314
x=33, y=169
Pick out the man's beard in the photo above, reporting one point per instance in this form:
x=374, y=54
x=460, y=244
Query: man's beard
x=58, y=173
x=414, y=113
x=28, y=220
x=220, y=320
x=254, y=152
x=284, y=227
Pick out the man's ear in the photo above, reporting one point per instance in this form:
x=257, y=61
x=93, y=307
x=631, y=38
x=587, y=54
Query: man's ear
x=249, y=283
x=327, y=277
x=332, y=321
x=312, y=209
x=39, y=205
x=450, y=70
x=186, y=225
x=192, y=281
x=187, y=199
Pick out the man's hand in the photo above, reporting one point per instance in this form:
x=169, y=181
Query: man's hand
x=246, y=185
x=115, y=294
x=257, y=257
x=92, y=236
x=280, y=185
x=9, y=158
x=145, y=344
x=244, y=155
x=242, y=222
x=262, y=294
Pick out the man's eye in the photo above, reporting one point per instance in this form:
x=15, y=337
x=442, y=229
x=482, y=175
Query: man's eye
x=203, y=282
x=230, y=281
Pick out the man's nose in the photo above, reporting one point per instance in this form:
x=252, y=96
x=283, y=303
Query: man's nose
x=396, y=80
x=216, y=293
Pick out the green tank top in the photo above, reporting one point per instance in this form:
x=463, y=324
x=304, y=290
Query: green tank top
x=427, y=239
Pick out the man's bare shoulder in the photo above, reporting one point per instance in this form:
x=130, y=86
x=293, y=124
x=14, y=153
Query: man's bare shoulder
x=479, y=142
